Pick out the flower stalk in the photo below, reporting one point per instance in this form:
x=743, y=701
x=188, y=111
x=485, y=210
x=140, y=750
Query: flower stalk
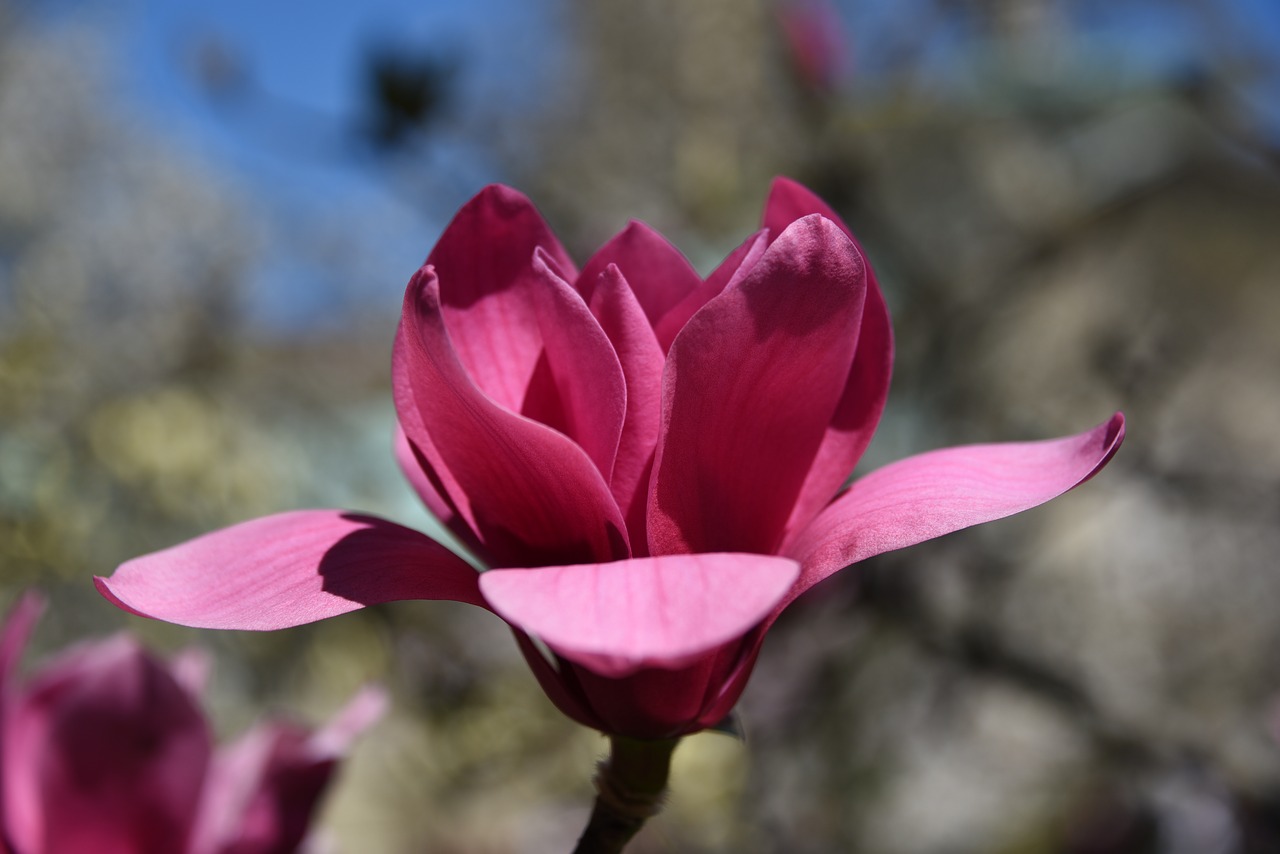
x=631, y=786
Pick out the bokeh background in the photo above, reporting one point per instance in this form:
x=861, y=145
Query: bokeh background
x=207, y=216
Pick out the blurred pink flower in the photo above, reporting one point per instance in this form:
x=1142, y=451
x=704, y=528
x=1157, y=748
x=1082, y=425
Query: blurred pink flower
x=105, y=751
x=815, y=42
x=650, y=462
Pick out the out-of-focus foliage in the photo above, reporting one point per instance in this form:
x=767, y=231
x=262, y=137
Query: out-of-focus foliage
x=1063, y=228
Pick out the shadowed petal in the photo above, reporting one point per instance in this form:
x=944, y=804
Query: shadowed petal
x=417, y=470
x=648, y=612
x=658, y=272
x=289, y=569
x=106, y=754
x=483, y=260
x=867, y=390
x=730, y=271
x=530, y=493
x=263, y=791
x=589, y=384
x=932, y=494
x=751, y=385
x=642, y=360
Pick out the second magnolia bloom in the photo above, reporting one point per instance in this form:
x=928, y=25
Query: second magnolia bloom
x=648, y=462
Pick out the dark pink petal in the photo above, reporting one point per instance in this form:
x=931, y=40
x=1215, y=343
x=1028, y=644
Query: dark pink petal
x=932, y=494
x=654, y=702
x=263, y=791
x=642, y=361
x=590, y=389
x=557, y=680
x=106, y=754
x=752, y=383
x=658, y=272
x=868, y=388
x=731, y=270
x=418, y=472
x=289, y=569
x=660, y=612
x=530, y=493
x=484, y=260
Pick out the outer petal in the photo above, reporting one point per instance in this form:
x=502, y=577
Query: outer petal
x=418, y=472
x=263, y=790
x=658, y=272
x=642, y=361
x=530, y=493
x=752, y=383
x=932, y=494
x=105, y=755
x=648, y=612
x=868, y=387
x=730, y=271
x=289, y=569
x=483, y=259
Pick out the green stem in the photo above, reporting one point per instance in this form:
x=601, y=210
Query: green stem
x=630, y=787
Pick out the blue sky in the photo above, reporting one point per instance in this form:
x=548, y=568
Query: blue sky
x=295, y=157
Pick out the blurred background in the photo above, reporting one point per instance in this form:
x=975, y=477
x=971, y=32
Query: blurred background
x=208, y=213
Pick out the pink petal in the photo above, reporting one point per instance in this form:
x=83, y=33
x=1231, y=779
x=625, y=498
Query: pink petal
x=590, y=389
x=483, y=261
x=752, y=383
x=263, y=791
x=556, y=679
x=642, y=361
x=418, y=472
x=530, y=493
x=289, y=569
x=932, y=494
x=106, y=754
x=661, y=612
x=658, y=272
x=663, y=703
x=731, y=271
x=867, y=390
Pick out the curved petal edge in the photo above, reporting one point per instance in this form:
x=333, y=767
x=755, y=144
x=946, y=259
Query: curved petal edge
x=935, y=493
x=289, y=569
x=664, y=612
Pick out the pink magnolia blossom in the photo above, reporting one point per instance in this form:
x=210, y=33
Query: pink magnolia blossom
x=105, y=750
x=649, y=463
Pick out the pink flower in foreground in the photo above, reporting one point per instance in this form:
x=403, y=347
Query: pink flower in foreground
x=105, y=751
x=649, y=462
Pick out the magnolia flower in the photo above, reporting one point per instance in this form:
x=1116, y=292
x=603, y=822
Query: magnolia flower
x=649, y=464
x=104, y=750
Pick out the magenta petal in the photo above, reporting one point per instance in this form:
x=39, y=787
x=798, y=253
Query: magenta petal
x=483, y=261
x=932, y=494
x=658, y=273
x=751, y=385
x=662, y=612
x=289, y=569
x=263, y=791
x=588, y=381
x=730, y=271
x=531, y=494
x=868, y=388
x=642, y=361
x=417, y=471
x=105, y=754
